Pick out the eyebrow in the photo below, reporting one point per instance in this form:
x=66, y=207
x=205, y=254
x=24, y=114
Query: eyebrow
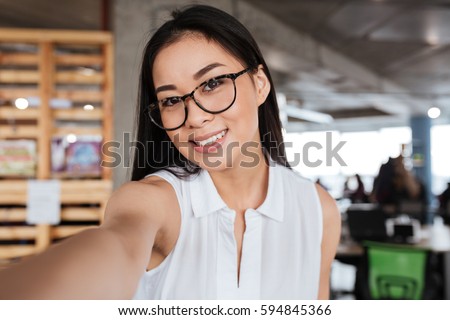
x=165, y=88
x=206, y=69
x=197, y=76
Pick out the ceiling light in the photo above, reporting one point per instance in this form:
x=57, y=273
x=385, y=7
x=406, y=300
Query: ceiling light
x=308, y=115
x=21, y=103
x=434, y=112
x=88, y=107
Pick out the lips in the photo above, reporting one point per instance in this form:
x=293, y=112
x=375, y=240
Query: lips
x=211, y=139
x=210, y=142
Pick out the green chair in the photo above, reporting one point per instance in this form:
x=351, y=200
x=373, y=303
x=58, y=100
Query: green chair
x=395, y=272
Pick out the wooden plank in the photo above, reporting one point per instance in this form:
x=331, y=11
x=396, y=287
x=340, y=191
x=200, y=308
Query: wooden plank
x=17, y=114
x=81, y=198
x=19, y=59
x=67, y=214
x=78, y=114
x=80, y=214
x=74, y=186
x=43, y=237
x=11, y=186
x=67, y=231
x=45, y=121
x=13, y=199
x=62, y=131
x=19, y=131
x=60, y=36
x=19, y=76
x=108, y=87
x=78, y=77
x=78, y=59
x=79, y=95
x=18, y=233
x=72, y=192
x=17, y=186
x=13, y=93
x=14, y=251
x=13, y=214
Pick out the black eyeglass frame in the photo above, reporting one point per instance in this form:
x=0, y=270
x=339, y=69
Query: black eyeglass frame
x=232, y=76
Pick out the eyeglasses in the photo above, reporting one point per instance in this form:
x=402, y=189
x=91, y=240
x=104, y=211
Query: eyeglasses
x=214, y=96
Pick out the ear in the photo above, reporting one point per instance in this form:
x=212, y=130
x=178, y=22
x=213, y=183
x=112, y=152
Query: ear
x=262, y=85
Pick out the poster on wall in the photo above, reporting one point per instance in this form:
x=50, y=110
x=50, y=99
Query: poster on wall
x=78, y=157
x=17, y=158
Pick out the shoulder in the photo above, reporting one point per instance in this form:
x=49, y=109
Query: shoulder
x=331, y=222
x=330, y=239
x=328, y=204
x=149, y=199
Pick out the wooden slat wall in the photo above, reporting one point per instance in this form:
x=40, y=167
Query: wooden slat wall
x=70, y=65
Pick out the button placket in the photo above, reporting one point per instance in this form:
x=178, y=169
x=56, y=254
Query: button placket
x=250, y=275
x=226, y=256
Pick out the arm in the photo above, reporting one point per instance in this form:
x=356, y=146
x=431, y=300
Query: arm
x=101, y=263
x=330, y=239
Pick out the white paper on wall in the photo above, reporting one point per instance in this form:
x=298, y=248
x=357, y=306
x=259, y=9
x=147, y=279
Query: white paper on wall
x=43, y=202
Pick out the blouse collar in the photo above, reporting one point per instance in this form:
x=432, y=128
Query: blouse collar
x=205, y=198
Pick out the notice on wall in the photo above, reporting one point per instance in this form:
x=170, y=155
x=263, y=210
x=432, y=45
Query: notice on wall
x=43, y=202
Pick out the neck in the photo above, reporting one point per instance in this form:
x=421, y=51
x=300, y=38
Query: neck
x=242, y=188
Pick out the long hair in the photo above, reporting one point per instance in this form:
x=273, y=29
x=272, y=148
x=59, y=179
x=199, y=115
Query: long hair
x=154, y=150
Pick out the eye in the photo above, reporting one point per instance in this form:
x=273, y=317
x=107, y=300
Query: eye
x=212, y=84
x=170, y=102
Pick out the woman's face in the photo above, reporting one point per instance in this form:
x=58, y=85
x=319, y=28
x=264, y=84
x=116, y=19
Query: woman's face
x=212, y=141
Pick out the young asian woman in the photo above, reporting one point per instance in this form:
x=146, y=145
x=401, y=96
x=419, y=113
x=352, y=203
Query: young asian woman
x=213, y=210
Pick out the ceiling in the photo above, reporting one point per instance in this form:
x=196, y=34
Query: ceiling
x=405, y=43
x=51, y=14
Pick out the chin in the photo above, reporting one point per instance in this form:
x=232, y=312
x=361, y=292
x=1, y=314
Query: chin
x=215, y=164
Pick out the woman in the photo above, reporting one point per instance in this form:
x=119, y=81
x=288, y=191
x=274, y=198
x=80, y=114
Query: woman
x=214, y=211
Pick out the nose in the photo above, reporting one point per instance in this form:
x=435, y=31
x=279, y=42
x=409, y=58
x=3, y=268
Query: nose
x=196, y=116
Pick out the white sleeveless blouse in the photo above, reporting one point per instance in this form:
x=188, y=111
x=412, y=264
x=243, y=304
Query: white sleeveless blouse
x=280, y=252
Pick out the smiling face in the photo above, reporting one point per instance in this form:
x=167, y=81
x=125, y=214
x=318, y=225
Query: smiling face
x=212, y=141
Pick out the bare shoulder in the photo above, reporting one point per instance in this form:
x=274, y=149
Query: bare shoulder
x=330, y=238
x=331, y=218
x=330, y=210
x=148, y=199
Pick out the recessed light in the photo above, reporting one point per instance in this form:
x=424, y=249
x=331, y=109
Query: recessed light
x=434, y=112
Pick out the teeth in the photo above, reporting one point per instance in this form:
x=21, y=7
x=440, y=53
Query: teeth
x=211, y=139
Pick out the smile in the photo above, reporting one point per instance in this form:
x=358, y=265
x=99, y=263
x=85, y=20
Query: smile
x=211, y=144
x=211, y=139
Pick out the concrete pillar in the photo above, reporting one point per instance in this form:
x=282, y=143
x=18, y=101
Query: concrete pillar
x=421, y=151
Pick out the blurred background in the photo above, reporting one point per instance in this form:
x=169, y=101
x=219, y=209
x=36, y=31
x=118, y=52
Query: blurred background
x=369, y=79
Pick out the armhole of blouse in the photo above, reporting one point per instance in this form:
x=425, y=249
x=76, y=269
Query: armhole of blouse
x=318, y=205
x=176, y=185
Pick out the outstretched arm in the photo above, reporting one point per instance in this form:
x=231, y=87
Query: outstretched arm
x=100, y=263
x=330, y=239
